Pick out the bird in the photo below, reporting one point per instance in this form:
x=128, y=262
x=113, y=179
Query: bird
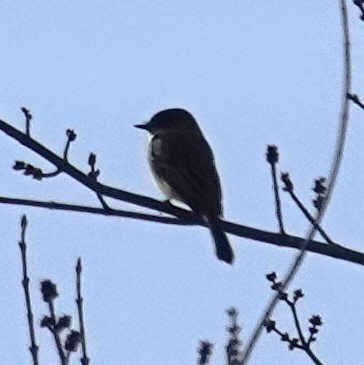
x=183, y=166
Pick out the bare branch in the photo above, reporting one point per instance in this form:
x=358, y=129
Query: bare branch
x=335, y=251
x=85, y=360
x=355, y=99
x=299, y=342
x=49, y=294
x=290, y=190
x=34, y=348
x=272, y=159
x=57, y=339
x=84, y=179
x=186, y=217
x=28, y=117
x=335, y=167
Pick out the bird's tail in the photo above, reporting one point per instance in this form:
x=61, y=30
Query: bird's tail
x=224, y=251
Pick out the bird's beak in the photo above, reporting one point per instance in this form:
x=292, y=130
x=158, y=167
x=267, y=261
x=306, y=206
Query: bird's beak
x=142, y=126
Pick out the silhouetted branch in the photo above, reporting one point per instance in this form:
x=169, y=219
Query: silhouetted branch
x=272, y=159
x=28, y=116
x=71, y=136
x=94, y=174
x=84, y=179
x=289, y=188
x=56, y=336
x=335, y=167
x=335, y=251
x=38, y=173
x=193, y=220
x=315, y=321
x=85, y=360
x=34, y=348
x=49, y=293
x=185, y=217
x=355, y=99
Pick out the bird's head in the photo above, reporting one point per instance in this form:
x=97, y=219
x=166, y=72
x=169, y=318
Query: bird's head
x=171, y=121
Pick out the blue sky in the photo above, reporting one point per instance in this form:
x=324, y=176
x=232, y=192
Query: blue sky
x=253, y=74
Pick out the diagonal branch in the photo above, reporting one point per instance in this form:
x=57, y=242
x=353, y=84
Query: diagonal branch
x=304, y=344
x=186, y=217
x=289, y=188
x=335, y=167
x=335, y=251
x=355, y=99
x=82, y=178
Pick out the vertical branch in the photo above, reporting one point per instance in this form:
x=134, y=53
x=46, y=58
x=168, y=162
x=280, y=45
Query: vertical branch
x=55, y=325
x=335, y=167
x=33, y=345
x=56, y=336
x=85, y=359
x=28, y=117
x=277, y=199
x=272, y=159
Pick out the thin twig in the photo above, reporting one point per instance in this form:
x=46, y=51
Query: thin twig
x=336, y=251
x=94, y=174
x=293, y=342
x=38, y=173
x=103, y=202
x=71, y=136
x=189, y=219
x=297, y=322
x=28, y=116
x=310, y=218
x=277, y=199
x=304, y=344
x=54, y=173
x=55, y=333
x=272, y=158
x=85, y=360
x=355, y=99
x=34, y=348
x=336, y=163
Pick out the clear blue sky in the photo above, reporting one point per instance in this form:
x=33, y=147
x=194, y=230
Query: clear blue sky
x=253, y=73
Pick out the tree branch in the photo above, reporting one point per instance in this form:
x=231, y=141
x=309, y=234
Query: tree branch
x=34, y=348
x=272, y=158
x=355, y=99
x=82, y=178
x=335, y=167
x=334, y=250
x=85, y=360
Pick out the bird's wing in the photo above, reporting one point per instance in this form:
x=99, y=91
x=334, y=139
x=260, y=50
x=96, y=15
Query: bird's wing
x=186, y=163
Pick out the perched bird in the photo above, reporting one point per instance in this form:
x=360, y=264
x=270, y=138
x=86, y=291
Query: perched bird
x=183, y=166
